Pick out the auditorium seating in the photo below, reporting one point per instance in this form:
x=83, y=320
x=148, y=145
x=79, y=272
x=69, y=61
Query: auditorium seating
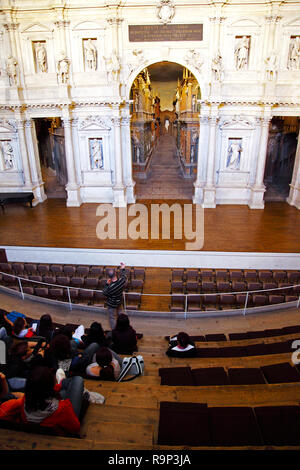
x=209, y=376
x=199, y=425
x=218, y=289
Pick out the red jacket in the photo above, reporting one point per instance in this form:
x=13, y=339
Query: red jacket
x=64, y=420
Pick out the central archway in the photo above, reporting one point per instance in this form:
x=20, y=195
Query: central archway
x=164, y=131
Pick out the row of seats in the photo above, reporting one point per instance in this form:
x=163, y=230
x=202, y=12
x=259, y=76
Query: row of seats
x=78, y=296
x=254, y=275
x=194, y=287
x=286, y=330
x=196, y=424
x=211, y=376
x=212, y=302
x=259, y=349
x=69, y=270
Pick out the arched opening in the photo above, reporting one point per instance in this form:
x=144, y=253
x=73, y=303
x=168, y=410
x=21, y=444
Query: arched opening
x=282, y=144
x=164, y=131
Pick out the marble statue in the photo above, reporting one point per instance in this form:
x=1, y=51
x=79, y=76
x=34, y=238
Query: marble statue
x=217, y=67
x=63, y=67
x=96, y=153
x=234, y=154
x=294, y=57
x=41, y=57
x=241, y=53
x=11, y=69
x=90, y=53
x=271, y=62
x=113, y=66
x=8, y=155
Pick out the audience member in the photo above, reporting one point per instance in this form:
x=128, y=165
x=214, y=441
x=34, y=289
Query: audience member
x=124, y=336
x=97, y=335
x=44, y=327
x=24, y=356
x=106, y=365
x=21, y=328
x=181, y=346
x=55, y=406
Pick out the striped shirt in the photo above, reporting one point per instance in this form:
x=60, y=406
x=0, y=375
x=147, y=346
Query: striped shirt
x=113, y=291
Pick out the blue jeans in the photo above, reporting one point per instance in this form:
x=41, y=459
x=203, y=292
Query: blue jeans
x=72, y=388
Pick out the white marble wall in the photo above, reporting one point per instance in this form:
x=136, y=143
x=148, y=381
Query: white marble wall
x=90, y=90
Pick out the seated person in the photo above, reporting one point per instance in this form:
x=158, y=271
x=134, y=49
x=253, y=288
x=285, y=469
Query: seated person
x=23, y=357
x=21, y=329
x=51, y=405
x=181, y=346
x=44, y=327
x=96, y=334
x=106, y=365
x=124, y=336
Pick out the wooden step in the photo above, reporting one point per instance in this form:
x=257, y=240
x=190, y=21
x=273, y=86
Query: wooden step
x=117, y=432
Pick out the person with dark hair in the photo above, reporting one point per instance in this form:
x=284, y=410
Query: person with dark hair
x=44, y=327
x=181, y=346
x=21, y=329
x=113, y=291
x=124, y=336
x=95, y=334
x=60, y=356
x=51, y=405
x=106, y=365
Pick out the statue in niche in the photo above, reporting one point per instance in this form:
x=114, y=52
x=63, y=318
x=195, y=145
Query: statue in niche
x=112, y=66
x=90, y=53
x=41, y=57
x=96, y=154
x=8, y=155
x=217, y=67
x=63, y=66
x=271, y=62
x=234, y=154
x=167, y=123
x=294, y=56
x=11, y=69
x=242, y=53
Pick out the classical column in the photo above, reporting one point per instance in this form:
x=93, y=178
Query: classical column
x=202, y=157
x=24, y=155
x=118, y=188
x=73, y=190
x=34, y=161
x=294, y=196
x=258, y=189
x=209, y=190
x=127, y=159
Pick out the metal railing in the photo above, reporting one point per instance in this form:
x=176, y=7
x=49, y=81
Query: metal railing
x=244, y=308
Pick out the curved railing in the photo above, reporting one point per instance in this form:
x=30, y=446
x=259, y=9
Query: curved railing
x=185, y=312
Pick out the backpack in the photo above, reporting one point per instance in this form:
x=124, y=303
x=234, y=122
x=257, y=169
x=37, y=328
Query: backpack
x=12, y=316
x=133, y=366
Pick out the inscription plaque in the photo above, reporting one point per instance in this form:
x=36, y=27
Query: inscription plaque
x=168, y=32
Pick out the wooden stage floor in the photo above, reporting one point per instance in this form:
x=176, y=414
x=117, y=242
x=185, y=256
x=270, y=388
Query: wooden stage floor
x=228, y=228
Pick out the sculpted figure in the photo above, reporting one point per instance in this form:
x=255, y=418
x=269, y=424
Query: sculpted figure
x=90, y=53
x=234, y=151
x=63, y=67
x=294, y=59
x=41, y=60
x=11, y=69
x=241, y=53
